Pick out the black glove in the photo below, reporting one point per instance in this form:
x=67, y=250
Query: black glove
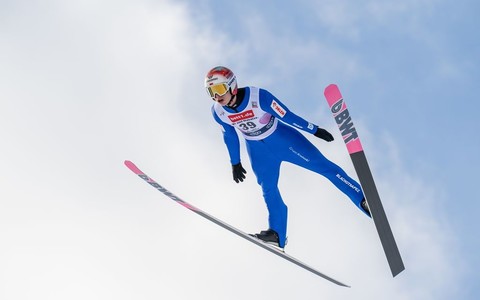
x=323, y=134
x=238, y=172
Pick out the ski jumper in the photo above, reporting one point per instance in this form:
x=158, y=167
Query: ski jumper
x=269, y=142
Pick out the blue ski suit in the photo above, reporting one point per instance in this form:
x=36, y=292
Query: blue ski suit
x=270, y=142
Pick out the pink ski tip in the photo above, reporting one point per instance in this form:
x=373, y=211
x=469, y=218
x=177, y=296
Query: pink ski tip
x=133, y=167
x=331, y=86
x=332, y=93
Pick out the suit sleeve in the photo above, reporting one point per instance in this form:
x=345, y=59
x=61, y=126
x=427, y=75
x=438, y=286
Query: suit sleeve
x=272, y=105
x=230, y=137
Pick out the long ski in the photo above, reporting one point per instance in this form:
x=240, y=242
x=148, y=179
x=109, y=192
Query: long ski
x=230, y=228
x=355, y=149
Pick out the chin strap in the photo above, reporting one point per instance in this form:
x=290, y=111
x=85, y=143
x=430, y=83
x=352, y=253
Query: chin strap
x=239, y=100
x=234, y=105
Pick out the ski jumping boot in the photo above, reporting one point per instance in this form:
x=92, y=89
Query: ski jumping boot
x=269, y=237
x=364, y=206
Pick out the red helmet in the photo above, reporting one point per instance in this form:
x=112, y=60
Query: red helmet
x=220, y=80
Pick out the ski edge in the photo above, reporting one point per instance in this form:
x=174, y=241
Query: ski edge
x=130, y=165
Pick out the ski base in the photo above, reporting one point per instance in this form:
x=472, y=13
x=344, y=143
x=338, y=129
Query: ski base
x=378, y=213
x=343, y=119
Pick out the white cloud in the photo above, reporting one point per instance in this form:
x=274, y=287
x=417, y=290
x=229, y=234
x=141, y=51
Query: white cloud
x=88, y=85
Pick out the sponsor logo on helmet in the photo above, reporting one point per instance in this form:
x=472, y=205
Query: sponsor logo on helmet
x=211, y=80
x=278, y=109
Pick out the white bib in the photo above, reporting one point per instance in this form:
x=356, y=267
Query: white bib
x=253, y=122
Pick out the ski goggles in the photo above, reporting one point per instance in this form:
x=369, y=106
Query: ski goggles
x=219, y=89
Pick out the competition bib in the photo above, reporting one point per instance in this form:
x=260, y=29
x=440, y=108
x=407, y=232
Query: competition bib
x=252, y=121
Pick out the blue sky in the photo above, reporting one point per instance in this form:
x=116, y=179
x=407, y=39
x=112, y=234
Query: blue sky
x=85, y=85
